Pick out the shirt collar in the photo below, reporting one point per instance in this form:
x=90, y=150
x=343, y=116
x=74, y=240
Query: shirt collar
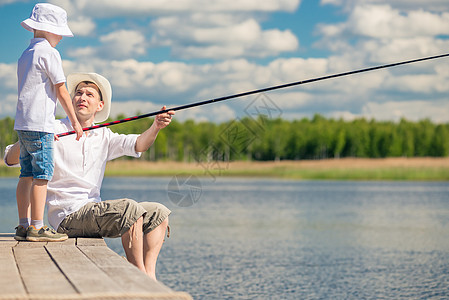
x=67, y=122
x=39, y=40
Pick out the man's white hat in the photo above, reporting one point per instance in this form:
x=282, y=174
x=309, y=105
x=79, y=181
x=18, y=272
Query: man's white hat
x=48, y=17
x=103, y=84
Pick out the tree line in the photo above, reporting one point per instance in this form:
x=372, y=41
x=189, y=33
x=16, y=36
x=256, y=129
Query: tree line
x=266, y=139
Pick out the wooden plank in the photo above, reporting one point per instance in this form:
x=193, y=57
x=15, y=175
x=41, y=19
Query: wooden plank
x=68, y=242
x=10, y=281
x=80, y=270
x=62, y=270
x=26, y=244
x=7, y=240
x=126, y=275
x=90, y=242
x=39, y=273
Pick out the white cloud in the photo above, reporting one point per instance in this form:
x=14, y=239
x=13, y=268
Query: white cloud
x=81, y=26
x=174, y=84
x=119, y=44
x=8, y=89
x=217, y=113
x=434, y=83
x=110, y=8
x=380, y=34
x=82, y=52
x=123, y=43
x=415, y=110
x=4, y=2
x=217, y=35
x=8, y=104
x=405, y=5
x=8, y=77
x=193, y=29
x=296, y=69
x=223, y=37
x=374, y=32
x=386, y=51
x=182, y=83
x=384, y=22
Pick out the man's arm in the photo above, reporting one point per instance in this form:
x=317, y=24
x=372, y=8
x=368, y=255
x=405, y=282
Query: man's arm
x=12, y=155
x=147, y=138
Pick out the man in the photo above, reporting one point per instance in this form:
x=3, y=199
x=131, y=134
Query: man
x=74, y=204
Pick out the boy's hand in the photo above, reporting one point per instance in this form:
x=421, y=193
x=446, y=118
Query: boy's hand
x=78, y=129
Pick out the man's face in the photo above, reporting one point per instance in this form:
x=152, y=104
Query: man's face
x=87, y=101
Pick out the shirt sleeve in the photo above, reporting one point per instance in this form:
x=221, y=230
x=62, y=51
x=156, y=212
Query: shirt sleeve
x=52, y=63
x=121, y=145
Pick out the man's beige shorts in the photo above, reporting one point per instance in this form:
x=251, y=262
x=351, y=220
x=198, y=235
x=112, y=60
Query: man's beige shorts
x=112, y=218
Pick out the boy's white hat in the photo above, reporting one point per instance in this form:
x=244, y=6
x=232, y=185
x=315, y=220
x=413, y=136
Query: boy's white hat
x=48, y=17
x=103, y=84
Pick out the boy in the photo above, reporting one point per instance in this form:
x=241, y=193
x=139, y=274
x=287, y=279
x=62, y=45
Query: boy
x=41, y=81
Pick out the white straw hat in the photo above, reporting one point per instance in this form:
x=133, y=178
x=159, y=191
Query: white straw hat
x=48, y=17
x=103, y=84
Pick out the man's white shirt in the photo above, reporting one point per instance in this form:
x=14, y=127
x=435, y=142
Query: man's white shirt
x=80, y=166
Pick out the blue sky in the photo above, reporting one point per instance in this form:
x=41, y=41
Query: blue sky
x=175, y=52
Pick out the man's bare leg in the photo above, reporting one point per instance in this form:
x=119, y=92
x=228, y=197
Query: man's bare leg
x=152, y=246
x=132, y=242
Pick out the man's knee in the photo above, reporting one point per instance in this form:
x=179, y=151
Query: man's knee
x=156, y=215
x=164, y=223
x=138, y=223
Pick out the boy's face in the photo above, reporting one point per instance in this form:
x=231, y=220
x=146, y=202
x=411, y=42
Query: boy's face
x=87, y=101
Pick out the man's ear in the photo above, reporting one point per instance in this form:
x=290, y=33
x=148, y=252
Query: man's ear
x=100, y=106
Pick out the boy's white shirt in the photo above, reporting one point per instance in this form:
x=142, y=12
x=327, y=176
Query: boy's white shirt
x=38, y=70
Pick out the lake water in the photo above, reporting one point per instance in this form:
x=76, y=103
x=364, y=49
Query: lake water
x=275, y=239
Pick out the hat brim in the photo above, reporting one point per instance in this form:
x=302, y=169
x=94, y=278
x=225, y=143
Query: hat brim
x=103, y=84
x=32, y=25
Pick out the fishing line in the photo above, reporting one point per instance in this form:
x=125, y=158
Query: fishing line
x=254, y=92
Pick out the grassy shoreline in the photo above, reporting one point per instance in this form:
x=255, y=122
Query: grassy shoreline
x=335, y=169
x=413, y=169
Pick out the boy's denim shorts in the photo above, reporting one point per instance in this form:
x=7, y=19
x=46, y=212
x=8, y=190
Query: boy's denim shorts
x=36, y=154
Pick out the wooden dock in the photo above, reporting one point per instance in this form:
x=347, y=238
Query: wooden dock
x=80, y=268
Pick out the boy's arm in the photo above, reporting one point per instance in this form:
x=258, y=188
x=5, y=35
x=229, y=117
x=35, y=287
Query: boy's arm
x=66, y=102
x=147, y=138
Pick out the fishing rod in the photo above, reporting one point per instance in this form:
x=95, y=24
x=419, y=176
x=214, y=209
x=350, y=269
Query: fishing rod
x=255, y=92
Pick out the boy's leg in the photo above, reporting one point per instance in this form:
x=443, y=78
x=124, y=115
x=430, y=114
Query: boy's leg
x=40, y=147
x=37, y=232
x=25, y=181
x=36, y=161
x=23, y=197
x=23, y=207
x=38, y=197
